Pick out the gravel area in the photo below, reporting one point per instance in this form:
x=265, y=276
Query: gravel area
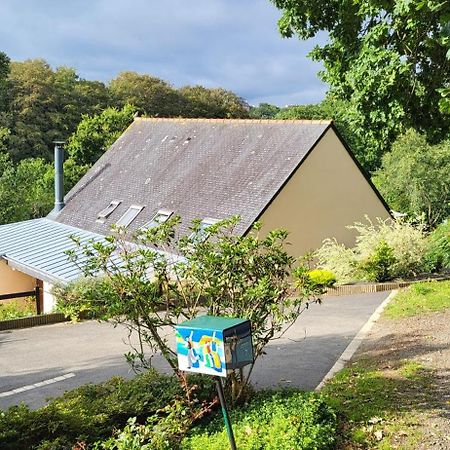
x=425, y=340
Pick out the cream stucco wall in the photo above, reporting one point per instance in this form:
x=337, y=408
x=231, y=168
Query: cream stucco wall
x=14, y=281
x=326, y=193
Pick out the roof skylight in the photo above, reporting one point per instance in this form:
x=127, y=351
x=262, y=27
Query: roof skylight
x=129, y=215
x=105, y=213
x=202, y=234
x=162, y=216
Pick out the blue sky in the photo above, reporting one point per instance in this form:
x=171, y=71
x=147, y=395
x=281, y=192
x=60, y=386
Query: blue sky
x=233, y=44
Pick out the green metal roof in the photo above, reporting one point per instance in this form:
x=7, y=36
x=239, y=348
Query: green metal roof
x=212, y=322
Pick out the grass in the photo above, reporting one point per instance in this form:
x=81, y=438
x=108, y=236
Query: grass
x=377, y=406
x=17, y=308
x=419, y=299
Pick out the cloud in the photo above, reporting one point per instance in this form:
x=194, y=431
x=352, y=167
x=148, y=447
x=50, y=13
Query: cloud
x=229, y=43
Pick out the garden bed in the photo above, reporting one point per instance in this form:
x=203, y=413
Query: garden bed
x=32, y=321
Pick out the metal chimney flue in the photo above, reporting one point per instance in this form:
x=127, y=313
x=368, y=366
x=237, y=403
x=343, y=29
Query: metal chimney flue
x=59, y=176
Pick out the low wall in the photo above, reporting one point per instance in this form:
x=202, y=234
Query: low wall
x=26, y=322
x=367, y=288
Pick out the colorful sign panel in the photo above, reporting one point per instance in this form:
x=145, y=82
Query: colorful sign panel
x=201, y=351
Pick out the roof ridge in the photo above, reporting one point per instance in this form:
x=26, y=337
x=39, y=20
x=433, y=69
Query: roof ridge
x=265, y=121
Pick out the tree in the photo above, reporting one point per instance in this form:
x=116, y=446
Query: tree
x=44, y=105
x=26, y=189
x=335, y=109
x=212, y=103
x=224, y=274
x=4, y=72
x=388, y=59
x=150, y=95
x=264, y=111
x=414, y=178
x=95, y=134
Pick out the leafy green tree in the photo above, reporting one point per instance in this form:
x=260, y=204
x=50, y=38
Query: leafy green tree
x=4, y=72
x=95, y=134
x=26, y=189
x=150, y=95
x=388, y=59
x=337, y=110
x=44, y=105
x=224, y=274
x=264, y=111
x=414, y=178
x=212, y=103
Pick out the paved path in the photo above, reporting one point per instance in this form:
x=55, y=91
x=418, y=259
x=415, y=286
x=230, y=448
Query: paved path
x=37, y=363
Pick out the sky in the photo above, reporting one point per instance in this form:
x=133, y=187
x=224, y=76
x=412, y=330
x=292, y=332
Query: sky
x=232, y=44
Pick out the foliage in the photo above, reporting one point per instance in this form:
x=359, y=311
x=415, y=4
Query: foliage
x=45, y=104
x=338, y=259
x=387, y=249
x=321, y=277
x=333, y=108
x=212, y=103
x=414, y=178
x=438, y=254
x=94, y=134
x=154, y=97
x=16, y=308
x=377, y=267
x=272, y=421
x=28, y=184
x=388, y=60
x=90, y=412
x=216, y=272
x=420, y=299
x=264, y=111
x=150, y=95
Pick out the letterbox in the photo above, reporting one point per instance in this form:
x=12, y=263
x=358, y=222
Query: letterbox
x=213, y=345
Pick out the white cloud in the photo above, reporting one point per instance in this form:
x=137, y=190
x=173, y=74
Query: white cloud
x=229, y=43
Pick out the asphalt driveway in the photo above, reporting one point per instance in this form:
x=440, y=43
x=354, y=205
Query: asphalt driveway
x=42, y=362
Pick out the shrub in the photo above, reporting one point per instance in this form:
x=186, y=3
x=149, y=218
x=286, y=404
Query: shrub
x=272, y=421
x=338, y=259
x=90, y=412
x=218, y=272
x=438, y=255
x=322, y=277
x=16, y=309
x=407, y=243
x=378, y=266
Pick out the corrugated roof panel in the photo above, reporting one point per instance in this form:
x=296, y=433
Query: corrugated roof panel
x=39, y=248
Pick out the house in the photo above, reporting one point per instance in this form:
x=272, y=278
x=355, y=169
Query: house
x=299, y=175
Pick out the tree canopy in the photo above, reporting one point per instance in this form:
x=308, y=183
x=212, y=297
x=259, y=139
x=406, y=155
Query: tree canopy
x=414, y=178
x=388, y=59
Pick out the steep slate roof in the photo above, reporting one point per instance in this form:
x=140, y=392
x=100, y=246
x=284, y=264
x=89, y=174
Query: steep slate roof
x=197, y=168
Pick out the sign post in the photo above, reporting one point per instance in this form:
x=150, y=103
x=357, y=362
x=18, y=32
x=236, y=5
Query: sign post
x=215, y=345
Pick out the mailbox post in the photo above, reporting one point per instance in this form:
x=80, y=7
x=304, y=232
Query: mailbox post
x=215, y=345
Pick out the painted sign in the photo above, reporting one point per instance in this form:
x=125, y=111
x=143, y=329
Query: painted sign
x=201, y=351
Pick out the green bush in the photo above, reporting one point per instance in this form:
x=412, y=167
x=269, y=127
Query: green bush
x=322, y=277
x=16, y=309
x=438, y=255
x=89, y=413
x=272, y=421
x=407, y=242
x=378, y=266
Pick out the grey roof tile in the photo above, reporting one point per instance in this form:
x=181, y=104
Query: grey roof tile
x=195, y=167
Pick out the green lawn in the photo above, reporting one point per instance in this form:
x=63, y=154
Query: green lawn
x=420, y=298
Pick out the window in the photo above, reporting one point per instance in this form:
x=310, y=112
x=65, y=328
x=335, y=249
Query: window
x=202, y=234
x=129, y=215
x=162, y=216
x=105, y=213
